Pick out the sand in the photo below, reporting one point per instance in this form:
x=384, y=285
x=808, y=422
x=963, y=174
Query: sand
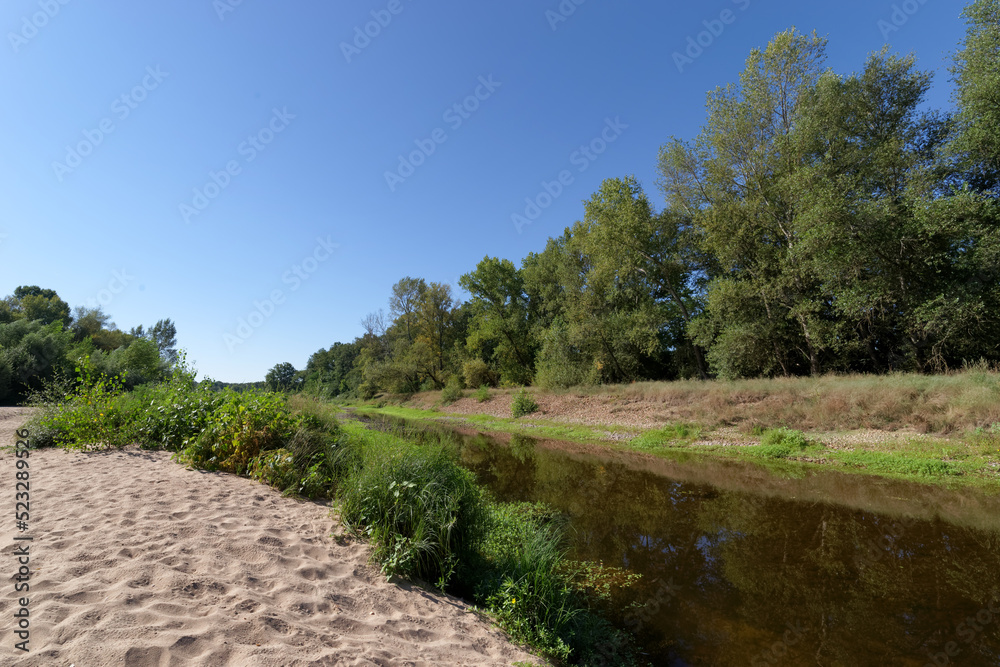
x=139, y=561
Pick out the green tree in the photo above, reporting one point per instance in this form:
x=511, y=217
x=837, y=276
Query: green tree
x=735, y=184
x=282, y=377
x=655, y=251
x=977, y=94
x=500, y=328
x=34, y=303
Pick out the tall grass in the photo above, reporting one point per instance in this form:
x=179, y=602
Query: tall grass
x=422, y=512
x=427, y=518
x=951, y=402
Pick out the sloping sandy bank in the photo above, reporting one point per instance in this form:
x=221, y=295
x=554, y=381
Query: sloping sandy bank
x=138, y=561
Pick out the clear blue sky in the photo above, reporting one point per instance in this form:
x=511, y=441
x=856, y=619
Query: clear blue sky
x=199, y=78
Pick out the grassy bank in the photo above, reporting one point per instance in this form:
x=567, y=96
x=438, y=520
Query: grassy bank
x=426, y=517
x=942, y=429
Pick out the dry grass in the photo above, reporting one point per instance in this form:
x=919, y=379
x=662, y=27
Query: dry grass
x=939, y=404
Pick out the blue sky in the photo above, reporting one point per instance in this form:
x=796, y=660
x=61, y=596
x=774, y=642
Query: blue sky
x=207, y=160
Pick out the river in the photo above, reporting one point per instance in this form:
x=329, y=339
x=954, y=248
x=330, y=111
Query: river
x=741, y=566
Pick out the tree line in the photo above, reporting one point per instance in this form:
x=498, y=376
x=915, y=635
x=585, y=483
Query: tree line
x=819, y=222
x=42, y=340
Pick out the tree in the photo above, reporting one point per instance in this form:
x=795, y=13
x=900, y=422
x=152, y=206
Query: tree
x=735, y=185
x=406, y=297
x=658, y=251
x=164, y=335
x=500, y=328
x=34, y=303
x=283, y=377
x=87, y=322
x=977, y=95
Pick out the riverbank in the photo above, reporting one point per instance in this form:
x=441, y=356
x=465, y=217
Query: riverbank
x=141, y=561
x=939, y=429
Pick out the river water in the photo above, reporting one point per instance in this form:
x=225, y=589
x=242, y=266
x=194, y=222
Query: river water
x=741, y=566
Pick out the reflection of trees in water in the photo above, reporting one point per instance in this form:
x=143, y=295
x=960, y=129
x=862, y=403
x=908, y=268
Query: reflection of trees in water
x=867, y=589
x=789, y=561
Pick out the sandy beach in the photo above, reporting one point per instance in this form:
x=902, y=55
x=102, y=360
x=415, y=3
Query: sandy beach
x=137, y=561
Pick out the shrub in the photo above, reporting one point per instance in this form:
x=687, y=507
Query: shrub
x=242, y=427
x=483, y=394
x=478, y=373
x=523, y=404
x=452, y=391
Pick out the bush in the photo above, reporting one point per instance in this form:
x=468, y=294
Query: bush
x=523, y=404
x=483, y=394
x=242, y=427
x=452, y=391
x=478, y=373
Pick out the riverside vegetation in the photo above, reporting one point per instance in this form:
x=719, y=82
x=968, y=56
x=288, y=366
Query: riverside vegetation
x=942, y=428
x=425, y=516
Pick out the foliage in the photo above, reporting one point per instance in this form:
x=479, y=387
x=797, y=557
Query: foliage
x=819, y=222
x=452, y=391
x=420, y=509
x=477, y=373
x=523, y=404
x=283, y=377
x=781, y=443
x=242, y=426
x=483, y=394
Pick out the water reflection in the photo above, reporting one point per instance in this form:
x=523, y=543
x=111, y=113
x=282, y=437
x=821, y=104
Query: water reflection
x=823, y=569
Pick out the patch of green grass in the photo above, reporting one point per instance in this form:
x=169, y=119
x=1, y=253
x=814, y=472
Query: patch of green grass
x=880, y=462
x=780, y=443
x=672, y=434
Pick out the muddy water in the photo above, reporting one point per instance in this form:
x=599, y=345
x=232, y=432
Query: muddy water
x=744, y=567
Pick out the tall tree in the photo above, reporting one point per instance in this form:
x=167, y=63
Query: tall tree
x=633, y=242
x=734, y=184
x=500, y=328
x=977, y=94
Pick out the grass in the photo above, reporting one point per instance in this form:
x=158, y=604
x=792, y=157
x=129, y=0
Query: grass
x=970, y=458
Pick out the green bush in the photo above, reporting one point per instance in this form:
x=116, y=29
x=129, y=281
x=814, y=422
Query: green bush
x=478, y=373
x=483, y=394
x=242, y=427
x=452, y=391
x=781, y=443
x=523, y=404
